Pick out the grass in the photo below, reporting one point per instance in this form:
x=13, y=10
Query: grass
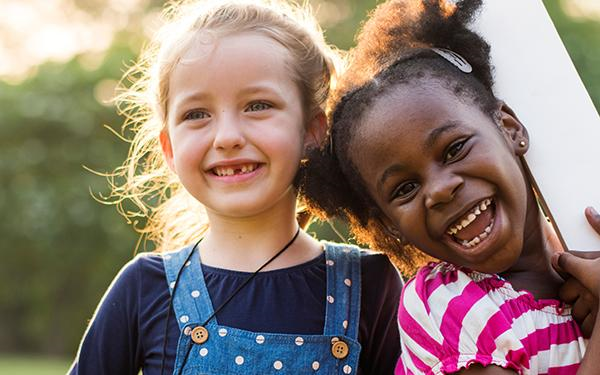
x=27, y=365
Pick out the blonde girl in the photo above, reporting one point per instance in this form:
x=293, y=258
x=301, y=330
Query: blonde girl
x=224, y=104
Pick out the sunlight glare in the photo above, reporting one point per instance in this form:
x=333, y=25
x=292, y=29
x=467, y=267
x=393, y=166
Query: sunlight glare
x=35, y=31
x=582, y=9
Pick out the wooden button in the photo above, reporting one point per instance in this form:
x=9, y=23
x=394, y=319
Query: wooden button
x=199, y=335
x=339, y=349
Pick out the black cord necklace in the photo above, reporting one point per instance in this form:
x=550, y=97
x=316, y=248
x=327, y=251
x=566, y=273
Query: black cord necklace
x=162, y=365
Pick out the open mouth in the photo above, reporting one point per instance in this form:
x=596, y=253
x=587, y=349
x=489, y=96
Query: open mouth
x=475, y=225
x=234, y=170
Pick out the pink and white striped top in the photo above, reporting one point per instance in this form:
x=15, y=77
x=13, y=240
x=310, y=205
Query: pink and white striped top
x=451, y=317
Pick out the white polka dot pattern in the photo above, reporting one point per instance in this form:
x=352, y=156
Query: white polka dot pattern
x=299, y=341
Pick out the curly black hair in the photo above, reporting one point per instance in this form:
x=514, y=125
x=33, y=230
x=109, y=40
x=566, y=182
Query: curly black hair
x=393, y=48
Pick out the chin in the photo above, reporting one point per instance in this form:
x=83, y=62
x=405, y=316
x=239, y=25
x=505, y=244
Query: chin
x=497, y=264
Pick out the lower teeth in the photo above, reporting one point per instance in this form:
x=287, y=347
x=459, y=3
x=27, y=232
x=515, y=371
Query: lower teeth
x=479, y=237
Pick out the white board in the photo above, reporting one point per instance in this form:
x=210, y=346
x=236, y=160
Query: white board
x=536, y=78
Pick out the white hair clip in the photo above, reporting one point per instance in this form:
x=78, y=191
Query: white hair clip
x=454, y=59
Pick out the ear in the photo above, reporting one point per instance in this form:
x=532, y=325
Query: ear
x=513, y=130
x=316, y=131
x=167, y=149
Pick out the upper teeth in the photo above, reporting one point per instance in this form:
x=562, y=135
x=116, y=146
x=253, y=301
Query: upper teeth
x=470, y=217
x=230, y=171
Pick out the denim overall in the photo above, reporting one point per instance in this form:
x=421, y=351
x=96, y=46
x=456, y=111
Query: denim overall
x=235, y=351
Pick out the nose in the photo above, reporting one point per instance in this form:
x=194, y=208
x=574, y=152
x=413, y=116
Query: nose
x=229, y=133
x=442, y=189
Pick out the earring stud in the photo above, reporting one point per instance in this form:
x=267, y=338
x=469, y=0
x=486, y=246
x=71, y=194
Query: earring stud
x=522, y=143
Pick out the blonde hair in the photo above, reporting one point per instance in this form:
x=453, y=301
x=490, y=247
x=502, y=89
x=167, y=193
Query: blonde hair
x=144, y=189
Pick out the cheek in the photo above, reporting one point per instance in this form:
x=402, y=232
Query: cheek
x=284, y=145
x=188, y=151
x=409, y=221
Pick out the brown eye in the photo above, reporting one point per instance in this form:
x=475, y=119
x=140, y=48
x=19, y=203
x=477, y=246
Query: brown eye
x=405, y=190
x=455, y=150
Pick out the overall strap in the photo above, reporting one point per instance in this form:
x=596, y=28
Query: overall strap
x=190, y=299
x=342, y=314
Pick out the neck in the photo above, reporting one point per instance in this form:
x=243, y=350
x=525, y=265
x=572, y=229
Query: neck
x=533, y=271
x=245, y=243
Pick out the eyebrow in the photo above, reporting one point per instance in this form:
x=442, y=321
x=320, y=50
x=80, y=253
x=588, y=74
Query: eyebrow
x=389, y=171
x=195, y=96
x=436, y=133
x=258, y=88
x=199, y=96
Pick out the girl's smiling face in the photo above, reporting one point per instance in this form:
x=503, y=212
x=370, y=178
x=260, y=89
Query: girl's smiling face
x=447, y=179
x=236, y=125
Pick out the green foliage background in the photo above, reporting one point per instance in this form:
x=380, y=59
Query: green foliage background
x=59, y=248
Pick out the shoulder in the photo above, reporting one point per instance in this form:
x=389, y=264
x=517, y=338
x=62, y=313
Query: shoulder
x=367, y=257
x=449, y=311
x=142, y=266
x=147, y=261
x=380, y=281
x=131, y=280
x=379, y=275
x=376, y=262
x=441, y=293
x=375, y=266
x=439, y=282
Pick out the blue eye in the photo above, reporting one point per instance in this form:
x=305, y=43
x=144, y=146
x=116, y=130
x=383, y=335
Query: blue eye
x=455, y=150
x=405, y=190
x=258, y=106
x=196, y=115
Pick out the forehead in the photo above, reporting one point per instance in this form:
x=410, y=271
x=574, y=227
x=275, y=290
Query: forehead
x=220, y=63
x=411, y=110
x=400, y=122
x=210, y=46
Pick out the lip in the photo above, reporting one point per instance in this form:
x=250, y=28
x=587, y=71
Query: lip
x=480, y=251
x=236, y=178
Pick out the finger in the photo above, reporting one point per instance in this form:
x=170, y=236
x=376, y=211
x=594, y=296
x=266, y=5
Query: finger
x=579, y=268
x=570, y=290
x=585, y=254
x=580, y=311
x=593, y=218
x=587, y=326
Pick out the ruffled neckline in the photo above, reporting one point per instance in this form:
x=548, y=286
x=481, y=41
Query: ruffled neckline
x=495, y=282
